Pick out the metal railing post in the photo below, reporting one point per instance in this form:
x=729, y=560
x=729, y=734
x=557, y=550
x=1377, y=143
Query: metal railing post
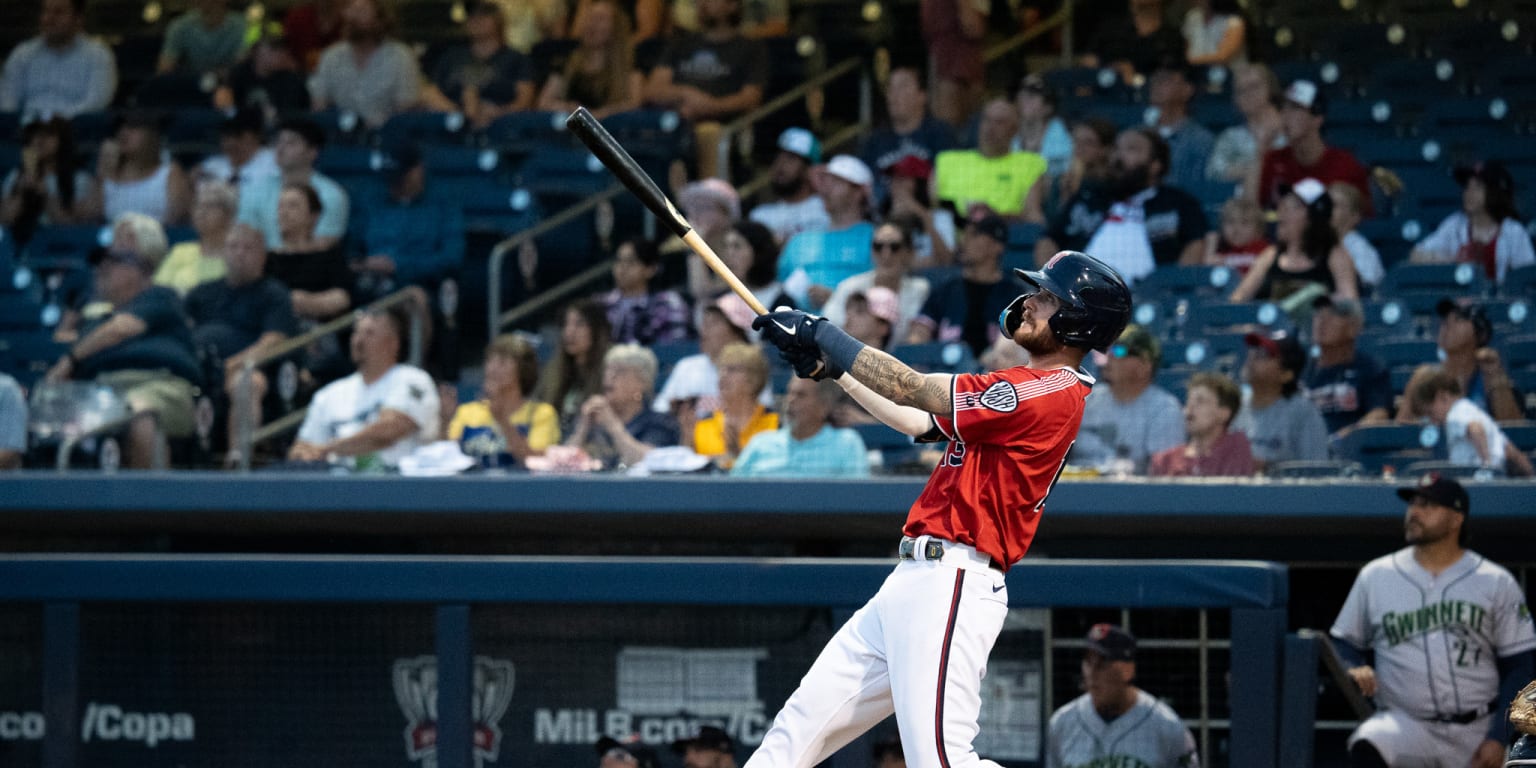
x=418, y=335
x=245, y=421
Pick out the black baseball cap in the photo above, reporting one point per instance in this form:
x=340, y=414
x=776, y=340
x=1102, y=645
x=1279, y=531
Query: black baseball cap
x=1283, y=347
x=307, y=129
x=1469, y=308
x=643, y=755
x=1112, y=642
x=1438, y=489
x=706, y=737
x=1491, y=173
x=991, y=225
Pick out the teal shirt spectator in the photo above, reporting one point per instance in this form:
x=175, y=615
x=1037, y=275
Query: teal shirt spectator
x=828, y=258
x=193, y=47
x=258, y=208
x=13, y=416
x=424, y=237
x=831, y=452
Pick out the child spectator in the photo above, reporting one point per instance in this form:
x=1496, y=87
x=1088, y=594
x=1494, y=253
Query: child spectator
x=1241, y=239
x=1472, y=438
x=638, y=315
x=1211, y=402
x=1346, y=217
x=1487, y=231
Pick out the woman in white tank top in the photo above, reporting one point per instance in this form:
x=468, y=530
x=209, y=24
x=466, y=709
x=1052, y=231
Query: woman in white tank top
x=136, y=177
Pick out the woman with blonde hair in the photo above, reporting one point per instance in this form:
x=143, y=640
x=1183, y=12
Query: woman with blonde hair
x=200, y=261
x=743, y=374
x=504, y=427
x=600, y=74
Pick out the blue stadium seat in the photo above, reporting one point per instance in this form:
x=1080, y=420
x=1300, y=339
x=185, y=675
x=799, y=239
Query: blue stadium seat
x=1521, y=433
x=18, y=312
x=91, y=128
x=461, y=161
x=1420, y=286
x=191, y=129
x=1314, y=470
x=937, y=356
x=1173, y=280
x=1405, y=353
x=341, y=127
x=344, y=160
x=1379, y=445
x=1511, y=316
x=10, y=126
x=28, y=355
x=447, y=128
x=491, y=206
x=1519, y=282
x=524, y=132
x=1519, y=352
x=69, y=244
x=895, y=447
x=172, y=91
x=1216, y=316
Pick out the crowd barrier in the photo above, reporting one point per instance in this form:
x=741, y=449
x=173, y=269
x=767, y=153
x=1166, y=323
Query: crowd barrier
x=302, y=660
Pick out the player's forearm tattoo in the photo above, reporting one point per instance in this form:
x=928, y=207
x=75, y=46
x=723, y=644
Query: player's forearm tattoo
x=892, y=379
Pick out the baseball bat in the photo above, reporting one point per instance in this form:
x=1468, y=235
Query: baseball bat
x=607, y=150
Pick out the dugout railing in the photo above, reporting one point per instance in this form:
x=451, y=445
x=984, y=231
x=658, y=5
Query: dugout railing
x=66, y=612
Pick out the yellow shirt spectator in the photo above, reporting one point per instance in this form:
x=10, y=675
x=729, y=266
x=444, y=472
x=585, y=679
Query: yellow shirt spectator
x=965, y=176
x=480, y=437
x=709, y=437
x=185, y=268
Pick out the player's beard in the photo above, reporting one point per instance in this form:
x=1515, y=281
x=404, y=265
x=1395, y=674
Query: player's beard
x=1418, y=534
x=1042, y=343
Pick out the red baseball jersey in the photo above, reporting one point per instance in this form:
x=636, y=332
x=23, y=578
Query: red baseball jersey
x=1009, y=437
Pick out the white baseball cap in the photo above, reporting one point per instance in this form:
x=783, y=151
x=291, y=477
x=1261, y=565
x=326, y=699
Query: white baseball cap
x=851, y=169
x=799, y=141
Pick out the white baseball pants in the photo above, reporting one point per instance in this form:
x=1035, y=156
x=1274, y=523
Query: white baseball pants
x=919, y=649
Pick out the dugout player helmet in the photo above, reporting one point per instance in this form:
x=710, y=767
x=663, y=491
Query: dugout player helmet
x=1095, y=304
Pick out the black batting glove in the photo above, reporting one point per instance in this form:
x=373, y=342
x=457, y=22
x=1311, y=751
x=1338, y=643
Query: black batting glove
x=790, y=329
x=810, y=365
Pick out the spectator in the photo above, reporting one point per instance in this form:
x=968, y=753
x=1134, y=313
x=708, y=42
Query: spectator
x=13, y=423
x=1189, y=143
x=873, y=315
x=267, y=79
x=1474, y=639
x=134, y=175
x=707, y=747
x=795, y=207
x=711, y=77
x=202, y=260
x=240, y=316
x=1240, y=241
x=61, y=72
x=1138, y=419
x=953, y=31
x=1076, y=733
x=600, y=74
x=1281, y=423
x=576, y=372
x=243, y=160
x=618, y=427
x=1236, y=153
x=911, y=130
x=142, y=348
x=410, y=236
x=368, y=72
x=908, y=203
x=1487, y=231
x=807, y=445
x=311, y=27
x=1465, y=340
x=892, y=253
x=1346, y=217
x=377, y=416
x=693, y=385
x=637, y=314
x=1135, y=43
x=728, y=429
x=317, y=275
x=530, y=21
x=648, y=18
x=481, y=77
x=1472, y=437
x=504, y=427
x=49, y=188
x=207, y=39
x=130, y=232
x=297, y=147
x=710, y=205
x=1307, y=259
x=1211, y=402
x=629, y=753
x=1350, y=387
x=1305, y=154
x=1041, y=130
x=1092, y=140
x=1215, y=34
x=753, y=255
x=965, y=307
x=813, y=262
x=990, y=177
x=1133, y=221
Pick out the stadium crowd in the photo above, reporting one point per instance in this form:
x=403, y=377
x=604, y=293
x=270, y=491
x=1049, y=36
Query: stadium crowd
x=1262, y=302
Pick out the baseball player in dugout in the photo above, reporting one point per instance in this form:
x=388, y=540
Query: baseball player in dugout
x=1114, y=723
x=1452, y=639
x=919, y=647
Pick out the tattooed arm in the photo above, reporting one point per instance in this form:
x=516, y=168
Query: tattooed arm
x=893, y=380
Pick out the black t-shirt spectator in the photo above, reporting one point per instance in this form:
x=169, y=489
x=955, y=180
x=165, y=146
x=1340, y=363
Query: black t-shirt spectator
x=1345, y=393
x=230, y=319
x=885, y=146
x=1117, y=40
x=313, y=272
x=165, y=344
x=495, y=78
x=284, y=91
x=960, y=310
x=1173, y=218
x=718, y=69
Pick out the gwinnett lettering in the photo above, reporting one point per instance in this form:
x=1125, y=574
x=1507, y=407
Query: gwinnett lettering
x=1400, y=627
x=1114, y=761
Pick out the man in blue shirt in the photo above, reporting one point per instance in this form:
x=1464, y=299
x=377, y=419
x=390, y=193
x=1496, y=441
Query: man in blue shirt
x=297, y=147
x=61, y=72
x=410, y=237
x=813, y=262
x=807, y=446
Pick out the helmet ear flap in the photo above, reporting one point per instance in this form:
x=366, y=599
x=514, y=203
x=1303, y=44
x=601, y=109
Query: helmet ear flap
x=1013, y=315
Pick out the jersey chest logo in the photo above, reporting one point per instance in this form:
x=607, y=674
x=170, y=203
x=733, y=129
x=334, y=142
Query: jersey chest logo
x=1000, y=397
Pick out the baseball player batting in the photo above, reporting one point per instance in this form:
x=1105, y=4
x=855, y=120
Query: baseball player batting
x=1452, y=637
x=919, y=647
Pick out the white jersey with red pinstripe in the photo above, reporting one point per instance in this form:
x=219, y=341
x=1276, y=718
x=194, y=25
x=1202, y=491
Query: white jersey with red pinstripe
x=919, y=647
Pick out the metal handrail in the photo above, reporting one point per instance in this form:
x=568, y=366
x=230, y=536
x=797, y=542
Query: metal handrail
x=248, y=433
x=729, y=130
x=495, y=319
x=1050, y=23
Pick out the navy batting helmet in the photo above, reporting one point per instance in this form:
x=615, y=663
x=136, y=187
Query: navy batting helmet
x=1095, y=304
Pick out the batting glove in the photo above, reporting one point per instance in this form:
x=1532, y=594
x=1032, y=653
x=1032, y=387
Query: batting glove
x=790, y=329
x=810, y=365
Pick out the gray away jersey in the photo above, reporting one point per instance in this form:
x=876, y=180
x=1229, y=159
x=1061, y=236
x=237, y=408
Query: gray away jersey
x=1150, y=735
x=1437, y=638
